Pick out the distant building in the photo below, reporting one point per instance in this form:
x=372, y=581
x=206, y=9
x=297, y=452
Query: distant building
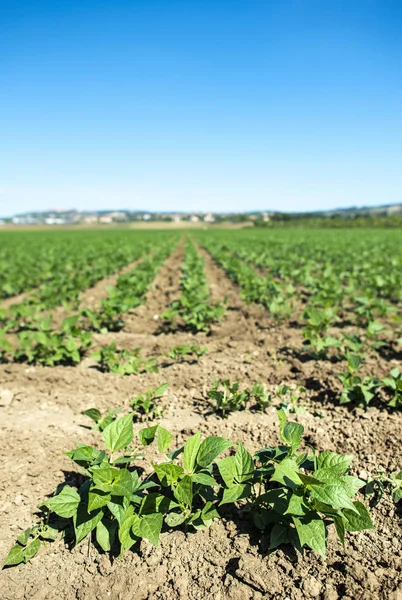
x=90, y=219
x=209, y=218
x=194, y=219
x=105, y=219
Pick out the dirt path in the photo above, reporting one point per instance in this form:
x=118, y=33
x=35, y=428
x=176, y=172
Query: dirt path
x=41, y=418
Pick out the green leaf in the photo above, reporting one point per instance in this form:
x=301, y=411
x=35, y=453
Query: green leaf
x=150, y=527
x=292, y=435
x=333, y=494
x=64, y=504
x=227, y=469
x=340, y=528
x=297, y=505
x=105, y=534
x=147, y=435
x=239, y=491
x=287, y=472
x=15, y=556
x=97, y=499
x=175, y=519
x=85, y=522
x=311, y=532
x=244, y=464
x=338, y=463
x=126, y=536
x=204, y=479
x=155, y=502
x=282, y=422
x=168, y=473
x=24, y=537
x=279, y=535
x=183, y=492
x=93, y=413
x=190, y=452
x=31, y=550
x=164, y=439
x=210, y=448
x=119, y=434
x=358, y=521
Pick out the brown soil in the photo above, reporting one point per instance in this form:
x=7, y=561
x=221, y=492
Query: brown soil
x=41, y=418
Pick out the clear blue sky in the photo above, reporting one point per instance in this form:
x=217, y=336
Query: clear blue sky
x=200, y=105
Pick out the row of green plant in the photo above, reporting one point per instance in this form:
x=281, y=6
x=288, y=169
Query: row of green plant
x=286, y=493
x=70, y=345
x=193, y=311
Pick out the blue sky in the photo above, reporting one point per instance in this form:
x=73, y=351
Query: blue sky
x=200, y=105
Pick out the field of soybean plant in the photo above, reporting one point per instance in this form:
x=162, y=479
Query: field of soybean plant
x=212, y=414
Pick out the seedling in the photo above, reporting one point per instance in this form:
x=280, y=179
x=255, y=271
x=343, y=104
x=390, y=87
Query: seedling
x=147, y=405
x=355, y=389
x=394, y=383
x=228, y=397
x=187, y=353
x=124, y=362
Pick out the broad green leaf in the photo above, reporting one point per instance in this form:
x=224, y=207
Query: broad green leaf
x=297, y=505
x=119, y=434
x=236, y=492
x=339, y=523
x=337, y=463
x=210, y=448
x=190, y=452
x=126, y=536
x=164, y=439
x=31, y=550
x=292, y=435
x=155, y=502
x=159, y=391
x=244, y=464
x=122, y=484
x=85, y=522
x=15, y=556
x=359, y=521
x=333, y=494
x=105, y=534
x=118, y=506
x=147, y=435
x=277, y=499
x=279, y=535
x=183, y=492
x=175, y=519
x=93, y=413
x=64, y=504
x=287, y=472
x=168, y=473
x=227, y=469
x=24, y=537
x=311, y=532
x=97, y=499
x=204, y=479
x=150, y=527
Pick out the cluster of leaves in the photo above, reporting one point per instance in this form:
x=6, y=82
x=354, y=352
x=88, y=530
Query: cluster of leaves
x=193, y=310
x=229, y=397
x=187, y=353
x=49, y=347
x=290, y=496
x=360, y=390
x=147, y=406
x=315, y=332
x=124, y=362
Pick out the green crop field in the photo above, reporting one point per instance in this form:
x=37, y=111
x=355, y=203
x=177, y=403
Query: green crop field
x=202, y=390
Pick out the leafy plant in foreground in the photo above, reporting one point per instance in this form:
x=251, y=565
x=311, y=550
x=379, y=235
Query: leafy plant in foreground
x=292, y=496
